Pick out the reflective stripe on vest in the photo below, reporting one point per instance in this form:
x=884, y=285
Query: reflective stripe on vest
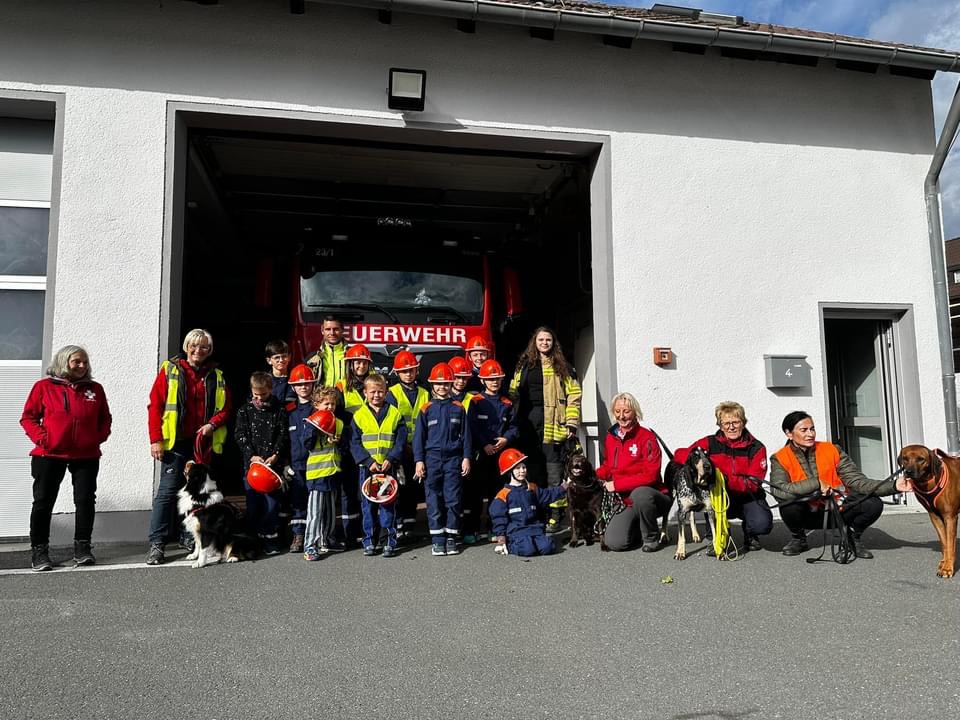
x=171, y=410
x=332, y=364
x=826, y=456
x=407, y=411
x=324, y=459
x=377, y=438
x=352, y=399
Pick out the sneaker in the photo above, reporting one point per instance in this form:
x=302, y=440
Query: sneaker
x=369, y=551
x=553, y=526
x=297, y=545
x=451, y=546
x=439, y=549
x=311, y=554
x=334, y=547
x=797, y=545
x=390, y=551
x=40, y=560
x=155, y=556
x=82, y=554
x=469, y=539
x=270, y=548
x=187, y=543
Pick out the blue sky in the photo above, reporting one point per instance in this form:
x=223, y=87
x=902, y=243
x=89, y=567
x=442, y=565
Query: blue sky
x=930, y=23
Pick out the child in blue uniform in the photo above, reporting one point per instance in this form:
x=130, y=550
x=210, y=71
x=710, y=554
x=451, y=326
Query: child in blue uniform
x=301, y=381
x=493, y=427
x=442, y=450
x=515, y=511
x=378, y=437
x=324, y=437
x=408, y=397
x=277, y=354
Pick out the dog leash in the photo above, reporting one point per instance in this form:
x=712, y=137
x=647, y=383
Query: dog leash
x=201, y=453
x=842, y=550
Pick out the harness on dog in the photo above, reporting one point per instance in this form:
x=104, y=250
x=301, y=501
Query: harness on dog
x=610, y=505
x=927, y=498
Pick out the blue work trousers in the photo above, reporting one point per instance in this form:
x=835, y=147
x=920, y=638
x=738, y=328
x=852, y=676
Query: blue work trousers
x=374, y=513
x=527, y=545
x=443, y=489
x=297, y=497
x=349, y=501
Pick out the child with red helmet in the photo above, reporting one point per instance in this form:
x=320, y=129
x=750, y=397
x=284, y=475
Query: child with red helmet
x=262, y=436
x=442, y=450
x=358, y=362
x=301, y=381
x=325, y=440
x=408, y=397
x=478, y=351
x=517, y=508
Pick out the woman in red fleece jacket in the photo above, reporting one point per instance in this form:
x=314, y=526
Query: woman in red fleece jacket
x=67, y=418
x=631, y=467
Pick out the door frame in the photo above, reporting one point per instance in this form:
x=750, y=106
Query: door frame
x=901, y=316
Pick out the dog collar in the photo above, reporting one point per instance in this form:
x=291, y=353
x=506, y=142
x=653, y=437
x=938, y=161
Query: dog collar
x=927, y=498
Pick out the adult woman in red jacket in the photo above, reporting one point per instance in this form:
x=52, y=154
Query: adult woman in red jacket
x=631, y=467
x=743, y=461
x=67, y=418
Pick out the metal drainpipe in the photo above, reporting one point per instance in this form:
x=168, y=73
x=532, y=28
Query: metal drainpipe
x=931, y=191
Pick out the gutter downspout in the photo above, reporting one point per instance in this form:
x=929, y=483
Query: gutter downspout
x=931, y=192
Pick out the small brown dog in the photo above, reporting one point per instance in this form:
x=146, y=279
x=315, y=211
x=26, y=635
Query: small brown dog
x=584, y=496
x=935, y=479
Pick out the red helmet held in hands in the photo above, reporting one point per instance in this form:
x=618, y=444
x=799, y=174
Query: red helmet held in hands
x=461, y=366
x=262, y=478
x=478, y=343
x=358, y=352
x=302, y=375
x=490, y=369
x=324, y=421
x=405, y=360
x=381, y=489
x=509, y=459
x=441, y=373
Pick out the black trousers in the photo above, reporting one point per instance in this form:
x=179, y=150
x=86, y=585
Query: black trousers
x=47, y=475
x=859, y=513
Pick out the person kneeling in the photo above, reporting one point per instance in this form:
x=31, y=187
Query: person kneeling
x=516, y=509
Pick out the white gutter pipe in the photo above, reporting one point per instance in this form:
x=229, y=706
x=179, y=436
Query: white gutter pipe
x=931, y=193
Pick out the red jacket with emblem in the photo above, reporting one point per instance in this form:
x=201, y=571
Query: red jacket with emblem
x=66, y=420
x=631, y=461
x=743, y=462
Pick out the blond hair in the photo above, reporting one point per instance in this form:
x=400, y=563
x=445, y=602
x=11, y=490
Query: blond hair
x=195, y=336
x=629, y=400
x=730, y=408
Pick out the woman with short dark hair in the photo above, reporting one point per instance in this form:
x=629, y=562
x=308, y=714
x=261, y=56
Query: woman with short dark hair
x=67, y=417
x=804, y=466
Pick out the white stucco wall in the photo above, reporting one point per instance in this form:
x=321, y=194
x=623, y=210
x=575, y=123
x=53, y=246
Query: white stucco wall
x=743, y=193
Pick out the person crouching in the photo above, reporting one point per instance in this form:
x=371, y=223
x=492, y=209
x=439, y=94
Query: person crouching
x=516, y=510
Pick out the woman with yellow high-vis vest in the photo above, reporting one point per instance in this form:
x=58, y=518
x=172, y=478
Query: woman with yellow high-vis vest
x=547, y=394
x=189, y=399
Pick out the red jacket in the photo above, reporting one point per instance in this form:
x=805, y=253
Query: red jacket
x=631, y=461
x=743, y=462
x=195, y=413
x=66, y=420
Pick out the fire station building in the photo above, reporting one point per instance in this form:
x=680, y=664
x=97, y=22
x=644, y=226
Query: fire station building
x=705, y=208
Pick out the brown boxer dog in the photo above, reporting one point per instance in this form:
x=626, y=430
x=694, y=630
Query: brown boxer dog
x=934, y=477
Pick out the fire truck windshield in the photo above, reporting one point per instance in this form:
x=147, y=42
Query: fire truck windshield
x=395, y=296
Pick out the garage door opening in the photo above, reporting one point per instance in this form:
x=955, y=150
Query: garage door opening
x=415, y=238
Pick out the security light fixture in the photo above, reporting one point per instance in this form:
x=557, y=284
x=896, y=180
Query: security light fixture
x=408, y=89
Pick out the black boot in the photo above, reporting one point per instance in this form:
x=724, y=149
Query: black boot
x=797, y=545
x=82, y=554
x=41, y=558
x=858, y=549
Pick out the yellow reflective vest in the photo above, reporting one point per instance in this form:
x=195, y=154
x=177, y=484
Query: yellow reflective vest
x=328, y=364
x=377, y=438
x=171, y=410
x=324, y=459
x=352, y=398
x=408, y=411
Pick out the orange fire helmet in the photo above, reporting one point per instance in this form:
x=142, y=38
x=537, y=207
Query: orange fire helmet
x=405, y=360
x=302, y=375
x=262, y=478
x=358, y=352
x=478, y=343
x=324, y=421
x=490, y=370
x=441, y=373
x=509, y=459
x=461, y=366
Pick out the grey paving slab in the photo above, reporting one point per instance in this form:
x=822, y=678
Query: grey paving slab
x=583, y=634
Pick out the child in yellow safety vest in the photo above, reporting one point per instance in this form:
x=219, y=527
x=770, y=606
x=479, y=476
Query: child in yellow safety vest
x=325, y=441
x=408, y=397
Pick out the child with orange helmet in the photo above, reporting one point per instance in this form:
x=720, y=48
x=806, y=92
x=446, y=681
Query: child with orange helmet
x=301, y=381
x=516, y=510
x=408, y=397
x=358, y=363
x=493, y=427
x=324, y=439
x=478, y=350
x=262, y=436
x=442, y=450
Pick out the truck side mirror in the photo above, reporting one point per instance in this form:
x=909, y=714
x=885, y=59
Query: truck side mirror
x=512, y=298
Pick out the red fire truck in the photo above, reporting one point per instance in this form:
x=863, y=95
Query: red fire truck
x=429, y=302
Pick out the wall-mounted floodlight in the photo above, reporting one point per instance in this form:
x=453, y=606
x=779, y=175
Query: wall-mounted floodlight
x=408, y=89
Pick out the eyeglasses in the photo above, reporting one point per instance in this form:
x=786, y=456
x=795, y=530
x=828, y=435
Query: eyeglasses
x=731, y=424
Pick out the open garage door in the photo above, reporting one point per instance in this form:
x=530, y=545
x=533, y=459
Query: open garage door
x=415, y=238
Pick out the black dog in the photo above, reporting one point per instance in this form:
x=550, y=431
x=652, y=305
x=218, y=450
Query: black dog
x=213, y=522
x=584, y=496
x=691, y=483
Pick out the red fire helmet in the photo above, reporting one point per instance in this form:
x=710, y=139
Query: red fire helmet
x=262, y=478
x=302, y=375
x=490, y=369
x=380, y=489
x=358, y=352
x=324, y=421
x=405, y=360
x=461, y=366
x=509, y=459
x=478, y=343
x=441, y=373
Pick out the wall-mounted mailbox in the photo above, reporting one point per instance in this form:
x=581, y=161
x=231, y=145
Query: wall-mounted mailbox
x=786, y=371
x=662, y=356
